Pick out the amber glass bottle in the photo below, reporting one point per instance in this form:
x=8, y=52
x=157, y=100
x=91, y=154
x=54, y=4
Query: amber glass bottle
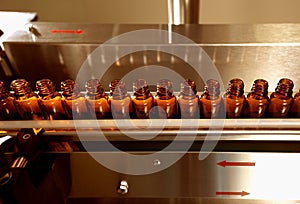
x=50, y=100
x=142, y=99
x=210, y=100
x=234, y=98
x=165, y=100
x=73, y=101
x=188, y=100
x=295, y=112
x=120, y=100
x=257, y=100
x=8, y=110
x=27, y=102
x=281, y=100
x=97, y=99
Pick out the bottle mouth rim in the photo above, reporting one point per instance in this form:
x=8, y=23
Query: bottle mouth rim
x=69, y=87
x=20, y=86
x=236, y=87
x=93, y=87
x=188, y=88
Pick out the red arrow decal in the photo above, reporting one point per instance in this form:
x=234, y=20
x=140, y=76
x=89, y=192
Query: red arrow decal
x=226, y=163
x=243, y=193
x=79, y=31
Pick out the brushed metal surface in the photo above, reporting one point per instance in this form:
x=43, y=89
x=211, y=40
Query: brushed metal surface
x=173, y=201
x=163, y=130
x=196, y=179
x=183, y=12
x=202, y=34
x=269, y=51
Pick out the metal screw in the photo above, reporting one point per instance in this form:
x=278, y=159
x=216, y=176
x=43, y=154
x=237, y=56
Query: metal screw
x=156, y=162
x=123, y=188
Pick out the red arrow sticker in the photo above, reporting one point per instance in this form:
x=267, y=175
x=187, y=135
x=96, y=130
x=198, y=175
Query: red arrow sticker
x=226, y=163
x=79, y=31
x=243, y=193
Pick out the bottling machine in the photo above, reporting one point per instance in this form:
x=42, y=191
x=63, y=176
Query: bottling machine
x=242, y=160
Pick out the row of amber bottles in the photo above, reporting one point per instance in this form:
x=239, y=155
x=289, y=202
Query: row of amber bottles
x=48, y=103
x=257, y=104
x=233, y=104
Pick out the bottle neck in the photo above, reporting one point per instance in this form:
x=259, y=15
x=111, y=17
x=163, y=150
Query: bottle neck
x=141, y=89
x=285, y=87
x=20, y=87
x=188, y=88
x=117, y=89
x=236, y=87
x=212, y=88
x=45, y=87
x=94, y=89
x=260, y=87
x=164, y=88
x=69, y=88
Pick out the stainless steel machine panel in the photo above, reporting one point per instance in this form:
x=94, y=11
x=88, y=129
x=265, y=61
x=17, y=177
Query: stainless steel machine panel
x=57, y=51
x=268, y=174
x=271, y=176
x=248, y=160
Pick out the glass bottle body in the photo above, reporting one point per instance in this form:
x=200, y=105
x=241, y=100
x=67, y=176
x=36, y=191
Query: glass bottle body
x=233, y=105
x=73, y=101
x=234, y=98
x=210, y=100
x=28, y=107
x=165, y=100
x=99, y=106
x=52, y=105
x=120, y=101
x=142, y=99
x=189, y=106
x=167, y=106
x=281, y=100
x=210, y=106
x=257, y=100
x=75, y=106
x=256, y=106
x=50, y=100
x=188, y=100
x=142, y=106
x=97, y=100
x=8, y=110
x=295, y=111
x=27, y=102
x=279, y=105
x=121, y=108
